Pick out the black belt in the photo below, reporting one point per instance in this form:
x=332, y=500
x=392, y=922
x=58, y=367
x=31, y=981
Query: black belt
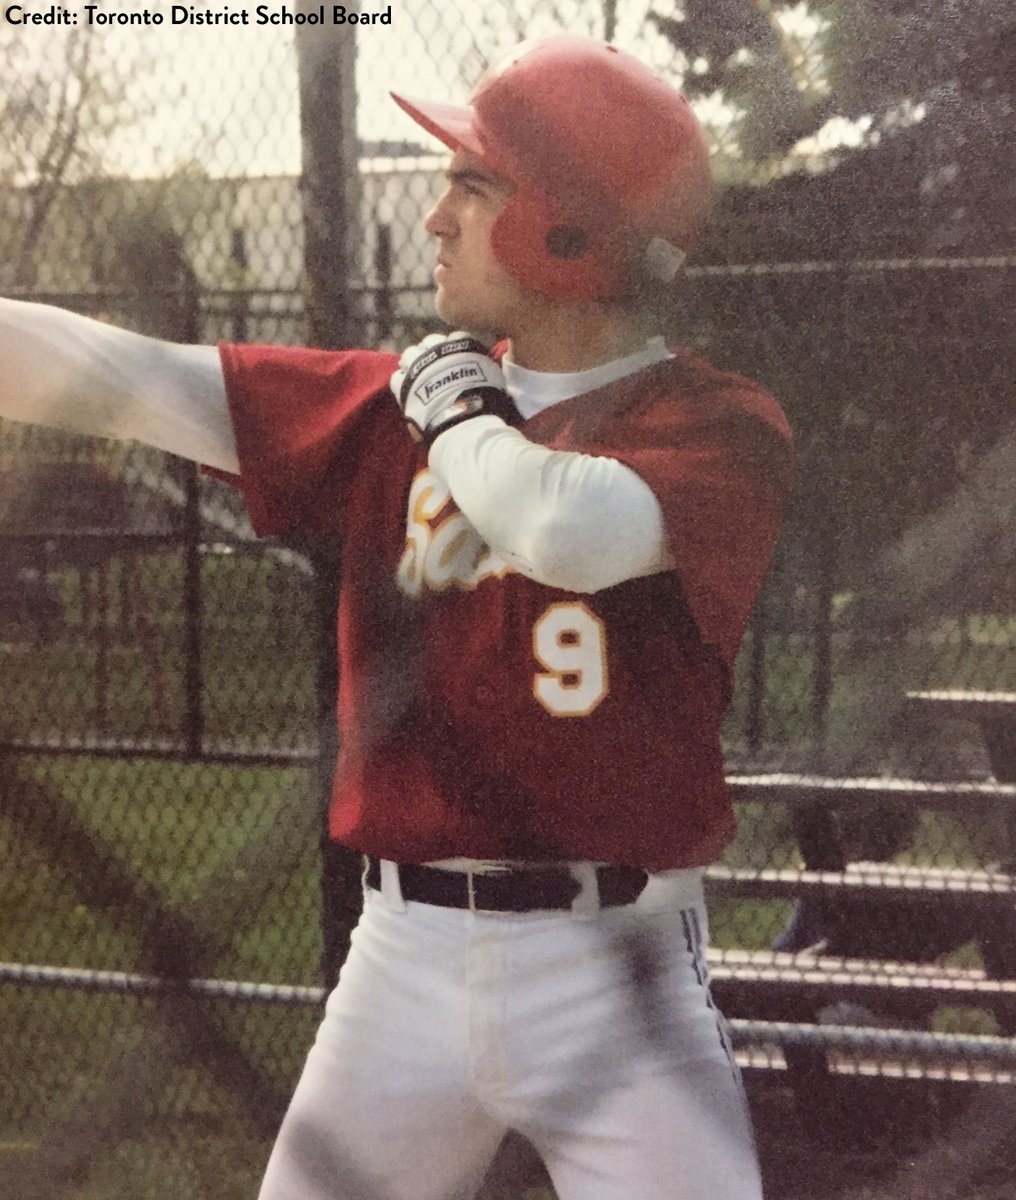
x=509, y=889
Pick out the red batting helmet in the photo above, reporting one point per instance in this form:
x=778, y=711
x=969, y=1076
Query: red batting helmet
x=610, y=167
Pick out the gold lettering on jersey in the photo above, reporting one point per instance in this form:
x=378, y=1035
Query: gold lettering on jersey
x=443, y=550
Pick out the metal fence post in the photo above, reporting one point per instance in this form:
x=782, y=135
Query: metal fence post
x=239, y=308
x=384, y=304
x=757, y=675
x=194, y=603
x=825, y=586
x=326, y=60
x=194, y=716
x=329, y=181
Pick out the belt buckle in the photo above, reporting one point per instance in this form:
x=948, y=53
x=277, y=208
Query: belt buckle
x=586, y=904
x=492, y=868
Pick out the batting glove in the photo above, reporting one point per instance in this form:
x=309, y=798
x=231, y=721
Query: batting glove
x=445, y=380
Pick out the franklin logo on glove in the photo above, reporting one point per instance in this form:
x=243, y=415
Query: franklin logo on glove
x=446, y=380
x=461, y=374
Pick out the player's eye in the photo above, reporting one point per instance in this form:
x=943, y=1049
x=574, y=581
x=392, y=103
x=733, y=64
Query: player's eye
x=469, y=183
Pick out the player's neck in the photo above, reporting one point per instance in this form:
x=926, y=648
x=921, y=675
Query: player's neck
x=566, y=336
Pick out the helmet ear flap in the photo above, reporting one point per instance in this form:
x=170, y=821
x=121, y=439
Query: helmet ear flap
x=554, y=257
x=610, y=163
x=566, y=242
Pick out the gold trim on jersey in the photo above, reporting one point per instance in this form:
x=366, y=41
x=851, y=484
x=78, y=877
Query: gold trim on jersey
x=443, y=549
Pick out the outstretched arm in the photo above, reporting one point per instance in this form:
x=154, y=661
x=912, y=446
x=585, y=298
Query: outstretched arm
x=69, y=372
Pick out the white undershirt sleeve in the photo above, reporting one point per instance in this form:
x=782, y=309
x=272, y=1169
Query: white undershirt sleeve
x=70, y=372
x=569, y=520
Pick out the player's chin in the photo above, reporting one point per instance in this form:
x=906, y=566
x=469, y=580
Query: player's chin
x=446, y=307
x=457, y=311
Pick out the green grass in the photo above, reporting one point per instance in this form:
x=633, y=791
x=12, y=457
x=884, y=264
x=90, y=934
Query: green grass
x=234, y=849
x=977, y=652
x=180, y=828
x=230, y=849
x=181, y=1134
x=117, y=667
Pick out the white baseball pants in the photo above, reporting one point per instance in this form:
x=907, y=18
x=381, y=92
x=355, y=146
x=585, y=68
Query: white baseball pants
x=593, y=1037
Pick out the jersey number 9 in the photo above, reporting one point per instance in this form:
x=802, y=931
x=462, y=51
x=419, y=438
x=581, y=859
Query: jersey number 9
x=570, y=642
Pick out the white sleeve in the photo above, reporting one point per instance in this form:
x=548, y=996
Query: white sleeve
x=573, y=521
x=70, y=372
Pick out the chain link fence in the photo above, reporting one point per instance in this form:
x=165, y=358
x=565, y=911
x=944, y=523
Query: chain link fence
x=165, y=740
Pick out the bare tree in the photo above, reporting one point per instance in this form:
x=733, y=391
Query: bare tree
x=58, y=111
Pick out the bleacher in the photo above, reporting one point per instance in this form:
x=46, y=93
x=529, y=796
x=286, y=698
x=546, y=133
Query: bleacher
x=818, y=1010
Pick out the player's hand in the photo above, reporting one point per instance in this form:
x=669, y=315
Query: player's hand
x=447, y=379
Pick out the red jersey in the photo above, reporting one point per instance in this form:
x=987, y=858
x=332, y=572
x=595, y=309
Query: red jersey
x=485, y=715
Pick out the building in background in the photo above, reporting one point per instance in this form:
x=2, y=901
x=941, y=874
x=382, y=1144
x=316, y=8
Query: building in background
x=194, y=258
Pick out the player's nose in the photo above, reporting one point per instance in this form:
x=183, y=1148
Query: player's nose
x=440, y=221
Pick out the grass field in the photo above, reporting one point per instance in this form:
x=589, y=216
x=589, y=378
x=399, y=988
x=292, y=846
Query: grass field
x=190, y=1131
x=195, y=1125
x=117, y=662
x=112, y=1097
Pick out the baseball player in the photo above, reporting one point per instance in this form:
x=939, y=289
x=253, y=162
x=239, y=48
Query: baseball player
x=554, y=530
